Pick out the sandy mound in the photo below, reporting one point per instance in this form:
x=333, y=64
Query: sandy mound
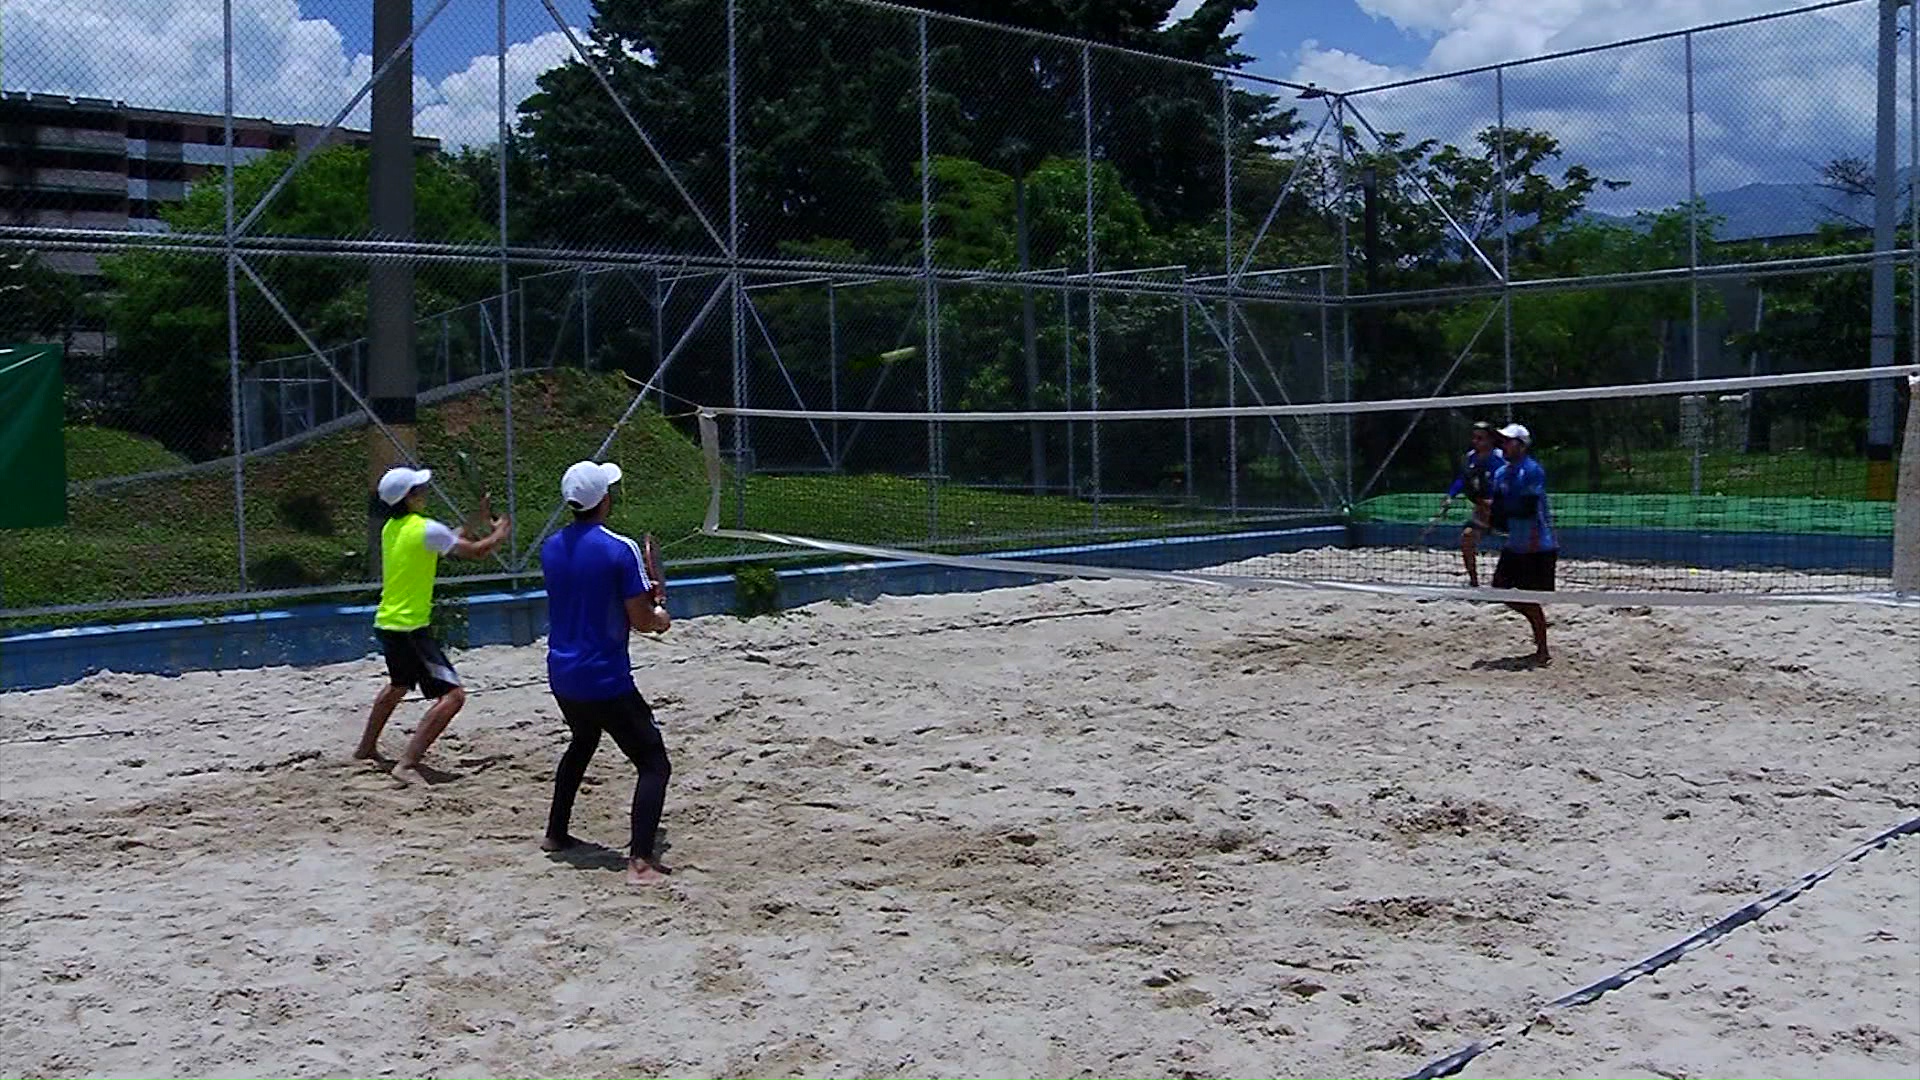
x=1082, y=828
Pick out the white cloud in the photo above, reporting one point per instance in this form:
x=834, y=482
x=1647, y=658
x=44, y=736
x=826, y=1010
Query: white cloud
x=1773, y=100
x=463, y=107
x=1182, y=9
x=169, y=54
x=1240, y=23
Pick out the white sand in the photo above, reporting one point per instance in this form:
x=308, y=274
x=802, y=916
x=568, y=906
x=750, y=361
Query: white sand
x=1211, y=834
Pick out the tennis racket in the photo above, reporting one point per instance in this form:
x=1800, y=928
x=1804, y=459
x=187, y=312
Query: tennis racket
x=1439, y=516
x=650, y=556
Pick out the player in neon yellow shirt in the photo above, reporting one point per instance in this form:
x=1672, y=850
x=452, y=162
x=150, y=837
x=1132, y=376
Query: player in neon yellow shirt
x=411, y=545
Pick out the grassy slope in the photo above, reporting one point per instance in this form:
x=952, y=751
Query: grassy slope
x=306, y=508
x=96, y=452
x=176, y=537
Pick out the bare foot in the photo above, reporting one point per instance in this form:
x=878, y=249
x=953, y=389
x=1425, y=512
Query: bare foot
x=407, y=774
x=550, y=843
x=644, y=872
x=1541, y=659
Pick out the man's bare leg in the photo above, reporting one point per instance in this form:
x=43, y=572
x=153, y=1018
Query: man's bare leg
x=1537, y=619
x=383, y=706
x=432, y=724
x=1469, y=552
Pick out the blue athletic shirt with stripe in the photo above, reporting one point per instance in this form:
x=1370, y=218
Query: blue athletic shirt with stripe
x=1477, y=473
x=591, y=571
x=1513, y=482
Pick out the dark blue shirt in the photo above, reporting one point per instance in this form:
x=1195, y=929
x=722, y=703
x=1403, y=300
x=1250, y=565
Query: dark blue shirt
x=590, y=571
x=1520, y=496
x=1476, y=478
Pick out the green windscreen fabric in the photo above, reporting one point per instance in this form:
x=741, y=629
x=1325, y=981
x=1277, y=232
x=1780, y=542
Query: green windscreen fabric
x=1692, y=513
x=33, y=451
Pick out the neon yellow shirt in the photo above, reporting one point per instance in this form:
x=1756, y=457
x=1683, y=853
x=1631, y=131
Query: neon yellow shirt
x=410, y=550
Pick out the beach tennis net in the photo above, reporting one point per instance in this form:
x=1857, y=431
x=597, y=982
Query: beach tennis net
x=1766, y=486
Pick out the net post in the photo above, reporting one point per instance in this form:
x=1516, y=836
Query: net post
x=1906, y=507
x=1881, y=393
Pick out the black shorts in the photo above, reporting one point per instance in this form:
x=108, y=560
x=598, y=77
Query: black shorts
x=415, y=659
x=1530, y=570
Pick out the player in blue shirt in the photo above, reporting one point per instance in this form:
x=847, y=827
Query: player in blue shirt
x=1531, y=553
x=597, y=593
x=1475, y=482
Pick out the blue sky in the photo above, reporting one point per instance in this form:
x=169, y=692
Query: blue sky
x=1281, y=27
x=1278, y=31
x=1773, y=100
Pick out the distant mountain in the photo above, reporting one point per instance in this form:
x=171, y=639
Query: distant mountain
x=1756, y=211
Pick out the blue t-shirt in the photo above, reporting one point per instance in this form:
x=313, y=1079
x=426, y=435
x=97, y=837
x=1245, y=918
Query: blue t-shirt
x=1513, y=483
x=591, y=571
x=1477, y=476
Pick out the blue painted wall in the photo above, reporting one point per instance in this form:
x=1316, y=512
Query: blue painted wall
x=325, y=634
x=331, y=633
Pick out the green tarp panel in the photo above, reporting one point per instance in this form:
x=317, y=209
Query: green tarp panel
x=33, y=450
x=1690, y=513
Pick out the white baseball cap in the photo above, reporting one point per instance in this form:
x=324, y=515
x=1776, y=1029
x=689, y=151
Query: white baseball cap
x=1517, y=431
x=396, y=482
x=585, y=483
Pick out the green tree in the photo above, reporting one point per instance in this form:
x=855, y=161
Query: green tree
x=829, y=116
x=36, y=302
x=168, y=312
x=1567, y=338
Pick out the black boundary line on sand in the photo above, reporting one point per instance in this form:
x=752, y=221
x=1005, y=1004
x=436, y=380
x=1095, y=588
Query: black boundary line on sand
x=1454, y=1062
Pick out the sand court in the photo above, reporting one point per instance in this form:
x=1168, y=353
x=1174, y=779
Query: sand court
x=1082, y=828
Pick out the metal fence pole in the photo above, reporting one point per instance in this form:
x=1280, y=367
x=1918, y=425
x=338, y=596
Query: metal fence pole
x=932, y=325
x=1186, y=387
x=1093, y=295
x=1066, y=337
x=233, y=312
x=1346, y=287
x=1226, y=173
x=506, y=326
x=586, y=323
x=833, y=366
x=1506, y=229
x=659, y=340
x=1326, y=363
x=1693, y=255
x=733, y=262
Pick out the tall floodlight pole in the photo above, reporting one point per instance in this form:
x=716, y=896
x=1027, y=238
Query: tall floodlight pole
x=392, y=375
x=1880, y=399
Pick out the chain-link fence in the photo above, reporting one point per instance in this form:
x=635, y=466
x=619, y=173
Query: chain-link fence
x=618, y=212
